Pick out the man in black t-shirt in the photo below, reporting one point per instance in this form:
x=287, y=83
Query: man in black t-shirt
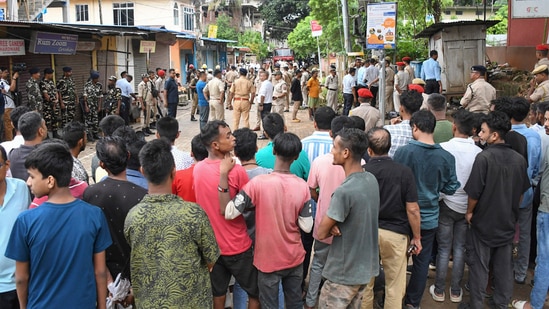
x=495, y=187
x=398, y=212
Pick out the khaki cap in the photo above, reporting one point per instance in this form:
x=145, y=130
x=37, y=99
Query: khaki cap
x=418, y=81
x=540, y=69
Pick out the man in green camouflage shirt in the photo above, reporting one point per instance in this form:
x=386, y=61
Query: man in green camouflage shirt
x=67, y=96
x=34, y=95
x=113, y=99
x=93, y=93
x=50, y=108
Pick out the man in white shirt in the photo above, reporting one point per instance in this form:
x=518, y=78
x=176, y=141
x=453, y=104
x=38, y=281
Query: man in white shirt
x=127, y=91
x=349, y=91
x=7, y=88
x=265, y=97
x=168, y=129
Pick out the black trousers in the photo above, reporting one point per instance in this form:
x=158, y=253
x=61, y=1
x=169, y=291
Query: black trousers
x=8, y=300
x=432, y=86
x=374, y=90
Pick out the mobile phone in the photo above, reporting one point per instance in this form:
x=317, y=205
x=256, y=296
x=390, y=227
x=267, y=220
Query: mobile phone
x=411, y=248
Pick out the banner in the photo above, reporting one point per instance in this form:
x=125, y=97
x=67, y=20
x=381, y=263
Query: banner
x=381, y=25
x=147, y=47
x=53, y=43
x=316, y=28
x=529, y=8
x=12, y=47
x=212, y=31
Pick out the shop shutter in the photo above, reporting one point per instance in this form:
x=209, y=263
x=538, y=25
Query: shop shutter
x=81, y=64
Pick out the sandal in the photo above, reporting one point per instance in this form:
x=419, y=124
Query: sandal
x=518, y=304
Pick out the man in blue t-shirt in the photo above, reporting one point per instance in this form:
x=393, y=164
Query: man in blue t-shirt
x=59, y=248
x=172, y=94
x=203, y=105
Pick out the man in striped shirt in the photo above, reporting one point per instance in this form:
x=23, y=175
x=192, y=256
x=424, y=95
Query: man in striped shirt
x=319, y=142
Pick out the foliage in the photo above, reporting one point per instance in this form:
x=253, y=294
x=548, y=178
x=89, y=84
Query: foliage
x=224, y=28
x=301, y=41
x=254, y=41
x=501, y=27
x=282, y=16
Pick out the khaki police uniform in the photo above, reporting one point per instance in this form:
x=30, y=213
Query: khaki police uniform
x=332, y=83
x=478, y=96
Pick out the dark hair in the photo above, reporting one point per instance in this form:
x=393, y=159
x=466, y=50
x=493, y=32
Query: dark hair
x=157, y=161
x=16, y=114
x=28, y=124
x=171, y=70
x=123, y=73
x=437, y=102
x=287, y=146
x=433, y=53
x=246, y=144
x=198, y=149
x=534, y=107
x=424, y=120
x=411, y=100
x=134, y=148
x=339, y=123
x=112, y=151
x=499, y=122
x=168, y=128
x=52, y=159
x=273, y=124
x=323, y=117
x=355, y=140
x=515, y=108
x=73, y=132
x=210, y=132
x=352, y=70
x=110, y=123
x=127, y=134
x=380, y=143
x=477, y=122
x=3, y=153
x=542, y=107
x=464, y=121
x=358, y=122
x=543, y=52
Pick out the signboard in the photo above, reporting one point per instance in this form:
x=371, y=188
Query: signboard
x=86, y=45
x=53, y=43
x=381, y=26
x=12, y=47
x=147, y=47
x=316, y=28
x=212, y=31
x=529, y=9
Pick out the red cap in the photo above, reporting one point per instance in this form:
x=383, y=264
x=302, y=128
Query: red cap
x=365, y=93
x=191, y=66
x=541, y=47
x=417, y=88
x=406, y=58
x=161, y=73
x=401, y=64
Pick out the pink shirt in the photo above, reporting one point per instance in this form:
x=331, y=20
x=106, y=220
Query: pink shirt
x=231, y=235
x=278, y=199
x=327, y=177
x=76, y=186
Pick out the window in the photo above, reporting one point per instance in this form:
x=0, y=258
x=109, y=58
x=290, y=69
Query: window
x=188, y=19
x=82, y=12
x=123, y=14
x=459, y=12
x=176, y=14
x=448, y=12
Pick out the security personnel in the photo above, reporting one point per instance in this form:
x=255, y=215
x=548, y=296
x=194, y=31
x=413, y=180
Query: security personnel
x=242, y=92
x=332, y=84
x=93, y=95
x=408, y=68
x=389, y=85
x=479, y=93
x=539, y=93
x=67, y=95
x=113, y=99
x=287, y=76
x=541, y=54
x=230, y=77
x=280, y=91
x=50, y=109
x=34, y=95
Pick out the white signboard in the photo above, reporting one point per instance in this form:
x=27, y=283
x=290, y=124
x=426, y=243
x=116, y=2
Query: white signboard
x=12, y=47
x=530, y=8
x=147, y=47
x=381, y=26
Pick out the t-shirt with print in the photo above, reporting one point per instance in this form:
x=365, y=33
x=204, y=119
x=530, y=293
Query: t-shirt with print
x=59, y=242
x=278, y=200
x=231, y=235
x=354, y=256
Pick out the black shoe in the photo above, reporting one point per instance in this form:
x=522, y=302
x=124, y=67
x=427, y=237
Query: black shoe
x=153, y=126
x=286, y=110
x=193, y=119
x=90, y=138
x=145, y=132
x=148, y=131
x=96, y=136
x=262, y=137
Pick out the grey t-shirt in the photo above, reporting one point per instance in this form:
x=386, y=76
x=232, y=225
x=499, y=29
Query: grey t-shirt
x=354, y=256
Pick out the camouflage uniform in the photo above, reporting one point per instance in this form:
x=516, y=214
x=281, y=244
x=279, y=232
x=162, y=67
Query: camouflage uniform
x=93, y=94
x=50, y=110
x=34, y=95
x=67, y=91
x=114, y=95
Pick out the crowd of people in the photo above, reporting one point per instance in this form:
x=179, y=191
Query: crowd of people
x=348, y=206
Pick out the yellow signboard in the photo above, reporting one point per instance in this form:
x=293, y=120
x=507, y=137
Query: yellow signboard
x=212, y=31
x=147, y=47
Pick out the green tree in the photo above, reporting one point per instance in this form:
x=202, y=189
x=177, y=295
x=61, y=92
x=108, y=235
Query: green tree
x=282, y=16
x=301, y=41
x=501, y=15
x=253, y=40
x=224, y=28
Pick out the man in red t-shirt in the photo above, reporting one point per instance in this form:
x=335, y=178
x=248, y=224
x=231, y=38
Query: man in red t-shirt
x=234, y=243
x=282, y=206
x=183, y=182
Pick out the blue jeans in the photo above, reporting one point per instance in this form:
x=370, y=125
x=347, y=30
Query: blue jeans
x=269, y=287
x=541, y=274
x=240, y=297
x=525, y=225
x=172, y=109
x=420, y=268
x=315, y=275
x=451, y=235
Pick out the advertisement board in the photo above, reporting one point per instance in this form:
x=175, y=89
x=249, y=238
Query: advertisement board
x=529, y=8
x=53, y=43
x=381, y=25
x=10, y=47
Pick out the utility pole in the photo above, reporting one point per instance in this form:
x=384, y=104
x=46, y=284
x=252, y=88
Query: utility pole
x=345, y=14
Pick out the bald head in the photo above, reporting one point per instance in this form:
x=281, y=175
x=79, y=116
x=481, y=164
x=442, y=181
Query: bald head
x=379, y=141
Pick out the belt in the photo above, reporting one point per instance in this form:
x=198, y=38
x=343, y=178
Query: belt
x=241, y=99
x=332, y=89
x=431, y=80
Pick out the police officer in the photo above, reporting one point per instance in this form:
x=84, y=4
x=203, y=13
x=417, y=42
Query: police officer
x=113, y=99
x=287, y=76
x=67, y=96
x=34, y=94
x=332, y=83
x=479, y=93
x=93, y=94
x=50, y=108
x=541, y=54
x=280, y=92
x=540, y=92
x=230, y=77
x=408, y=68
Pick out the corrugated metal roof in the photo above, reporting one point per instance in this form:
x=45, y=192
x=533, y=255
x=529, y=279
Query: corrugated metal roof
x=434, y=28
x=218, y=40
